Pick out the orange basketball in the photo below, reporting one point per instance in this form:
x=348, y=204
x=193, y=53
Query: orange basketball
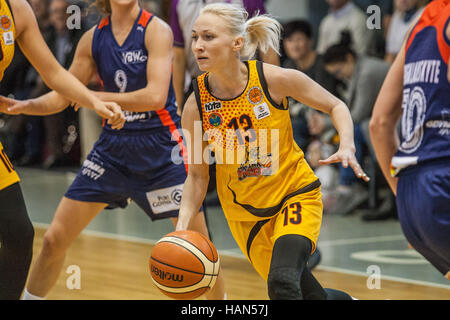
x=184, y=264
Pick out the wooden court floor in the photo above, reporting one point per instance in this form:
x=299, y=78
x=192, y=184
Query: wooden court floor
x=112, y=269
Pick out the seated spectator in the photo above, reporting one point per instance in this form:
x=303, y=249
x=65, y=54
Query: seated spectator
x=405, y=12
x=60, y=129
x=344, y=15
x=364, y=77
x=298, y=44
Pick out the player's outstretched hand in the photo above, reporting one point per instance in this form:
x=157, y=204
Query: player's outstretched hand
x=13, y=106
x=112, y=112
x=347, y=157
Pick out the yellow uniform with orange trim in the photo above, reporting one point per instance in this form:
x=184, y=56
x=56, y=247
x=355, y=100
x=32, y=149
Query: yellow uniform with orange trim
x=265, y=186
x=8, y=175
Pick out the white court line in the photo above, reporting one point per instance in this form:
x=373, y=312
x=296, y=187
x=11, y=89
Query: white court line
x=331, y=243
x=392, y=278
x=231, y=253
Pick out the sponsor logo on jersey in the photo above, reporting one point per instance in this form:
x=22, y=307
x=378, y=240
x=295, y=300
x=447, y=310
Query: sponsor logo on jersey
x=5, y=23
x=92, y=170
x=166, y=199
x=133, y=57
x=213, y=106
x=8, y=38
x=261, y=111
x=255, y=95
x=215, y=119
x=442, y=125
x=131, y=116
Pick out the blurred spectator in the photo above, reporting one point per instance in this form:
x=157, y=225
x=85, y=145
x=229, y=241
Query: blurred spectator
x=406, y=11
x=61, y=128
x=182, y=17
x=25, y=132
x=298, y=43
x=344, y=15
x=364, y=77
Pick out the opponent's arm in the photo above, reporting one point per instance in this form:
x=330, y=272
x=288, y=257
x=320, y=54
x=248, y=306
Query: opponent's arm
x=196, y=185
x=53, y=74
x=159, y=43
x=289, y=82
x=386, y=113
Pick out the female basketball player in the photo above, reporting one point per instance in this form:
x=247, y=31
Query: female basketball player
x=132, y=51
x=270, y=196
x=417, y=89
x=18, y=23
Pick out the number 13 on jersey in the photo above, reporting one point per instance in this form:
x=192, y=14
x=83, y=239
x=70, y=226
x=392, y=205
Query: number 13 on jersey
x=292, y=213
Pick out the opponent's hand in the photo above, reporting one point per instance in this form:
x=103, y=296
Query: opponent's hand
x=13, y=106
x=347, y=157
x=112, y=112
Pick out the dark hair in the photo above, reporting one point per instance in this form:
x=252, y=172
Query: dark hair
x=302, y=26
x=339, y=52
x=103, y=6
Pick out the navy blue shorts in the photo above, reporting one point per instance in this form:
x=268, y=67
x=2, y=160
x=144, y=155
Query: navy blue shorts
x=423, y=202
x=138, y=166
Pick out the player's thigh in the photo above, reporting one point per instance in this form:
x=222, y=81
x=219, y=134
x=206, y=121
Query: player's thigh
x=71, y=217
x=300, y=215
x=254, y=240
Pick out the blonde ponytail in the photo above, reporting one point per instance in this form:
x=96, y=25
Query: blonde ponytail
x=261, y=31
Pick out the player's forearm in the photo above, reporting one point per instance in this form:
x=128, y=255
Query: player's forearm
x=137, y=101
x=70, y=88
x=385, y=143
x=179, y=69
x=47, y=104
x=194, y=192
x=343, y=123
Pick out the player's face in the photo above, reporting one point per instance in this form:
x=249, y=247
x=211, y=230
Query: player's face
x=342, y=70
x=212, y=43
x=122, y=2
x=297, y=45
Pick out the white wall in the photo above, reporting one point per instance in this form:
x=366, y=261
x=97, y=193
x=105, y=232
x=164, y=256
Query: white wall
x=285, y=10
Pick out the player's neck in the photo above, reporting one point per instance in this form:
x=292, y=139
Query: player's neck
x=123, y=16
x=230, y=81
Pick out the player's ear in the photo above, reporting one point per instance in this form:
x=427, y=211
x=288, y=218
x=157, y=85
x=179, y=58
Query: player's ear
x=238, y=43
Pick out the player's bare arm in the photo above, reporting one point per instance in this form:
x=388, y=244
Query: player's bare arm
x=35, y=49
x=196, y=184
x=159, y=43
x=386, y=113
x=292, y=83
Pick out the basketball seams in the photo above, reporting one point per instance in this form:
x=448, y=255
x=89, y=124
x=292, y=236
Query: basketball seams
x=210, y=267
x=167, y=239
x=195, y=272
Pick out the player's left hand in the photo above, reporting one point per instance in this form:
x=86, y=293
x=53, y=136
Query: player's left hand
x=112, y=112
x=13, y=106
x=347, y=157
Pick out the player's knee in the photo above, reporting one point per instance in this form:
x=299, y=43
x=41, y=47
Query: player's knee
x=21, y=240
x=284, y=284
x=52, y=245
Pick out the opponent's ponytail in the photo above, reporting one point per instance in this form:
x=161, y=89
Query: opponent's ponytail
x=261, y=31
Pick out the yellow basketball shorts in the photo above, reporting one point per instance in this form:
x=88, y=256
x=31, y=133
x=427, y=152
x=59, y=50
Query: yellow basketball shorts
x=301, y=215
x=8, y=175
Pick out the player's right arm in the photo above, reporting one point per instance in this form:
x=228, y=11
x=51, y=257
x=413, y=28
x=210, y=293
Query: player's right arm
x=385, y=115
x=54, y=75
x=196, y=184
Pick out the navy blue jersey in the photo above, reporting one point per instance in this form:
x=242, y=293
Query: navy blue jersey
x=425, y=124
x=124, y=69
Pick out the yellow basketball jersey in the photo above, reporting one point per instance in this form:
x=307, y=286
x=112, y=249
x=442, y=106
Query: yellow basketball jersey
x=8, y=33
x=8, y=36
x=8, y=175
x=259, y=165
